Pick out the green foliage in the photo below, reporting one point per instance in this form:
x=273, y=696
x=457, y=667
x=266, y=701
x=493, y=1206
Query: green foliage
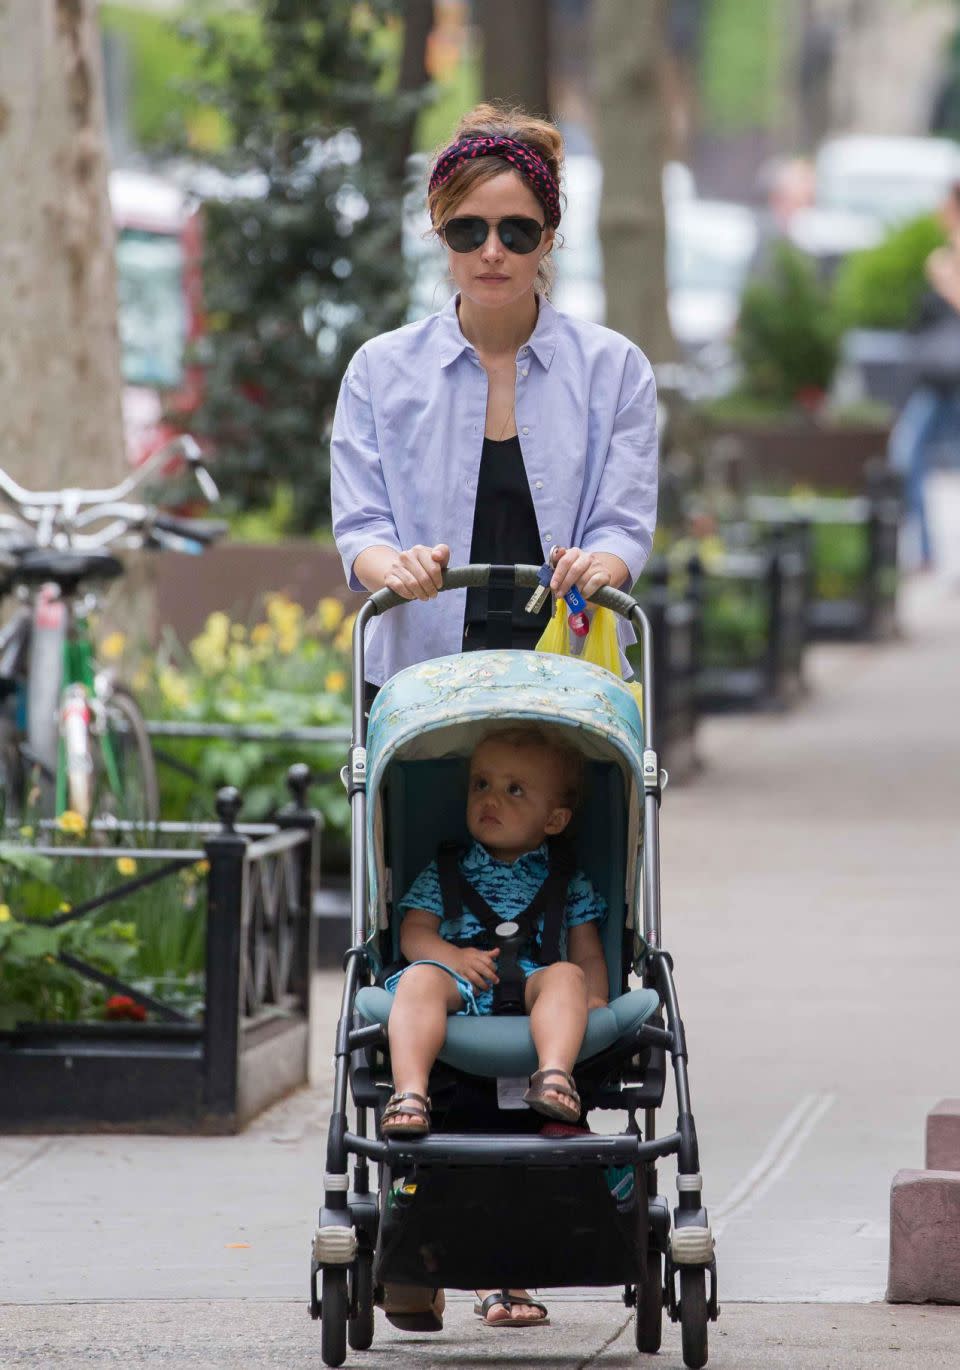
x=162, y=64
x=35, y=986
x=291, y=670
x=787, y=338
x=743, y=46
x=881, y=287
x=297, y=278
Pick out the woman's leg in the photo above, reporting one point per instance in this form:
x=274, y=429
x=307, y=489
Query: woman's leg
x=913, y=434
x=424, y=998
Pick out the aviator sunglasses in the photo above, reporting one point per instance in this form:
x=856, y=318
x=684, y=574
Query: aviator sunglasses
x=516, y=234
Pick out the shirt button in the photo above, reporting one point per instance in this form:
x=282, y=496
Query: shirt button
x=524, y=431
x=548, y=537
x=539, y=484
x=524, y=351
x=525, y=371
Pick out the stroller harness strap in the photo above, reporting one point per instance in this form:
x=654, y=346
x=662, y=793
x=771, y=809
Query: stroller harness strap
x=549, y=903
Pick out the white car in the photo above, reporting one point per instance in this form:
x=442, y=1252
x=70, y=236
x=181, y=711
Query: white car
x=885, y=179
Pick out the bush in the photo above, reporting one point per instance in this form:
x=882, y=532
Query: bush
x=787, y=338
x=881, y=287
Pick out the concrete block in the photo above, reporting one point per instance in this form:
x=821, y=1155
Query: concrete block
x=924, y=1237
x=943, y=1136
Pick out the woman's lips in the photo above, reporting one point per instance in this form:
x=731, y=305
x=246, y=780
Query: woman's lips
x=493, y=278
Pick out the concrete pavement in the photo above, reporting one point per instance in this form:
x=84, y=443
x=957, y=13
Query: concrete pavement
x=810, y=879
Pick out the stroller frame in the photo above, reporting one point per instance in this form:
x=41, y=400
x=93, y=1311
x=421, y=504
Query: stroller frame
x=678, y=1258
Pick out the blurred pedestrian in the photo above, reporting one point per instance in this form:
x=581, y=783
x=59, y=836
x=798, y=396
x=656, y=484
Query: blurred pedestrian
x=487, y=433
x=927, y=431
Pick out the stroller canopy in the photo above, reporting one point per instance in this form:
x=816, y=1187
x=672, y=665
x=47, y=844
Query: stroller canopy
x=442, y=708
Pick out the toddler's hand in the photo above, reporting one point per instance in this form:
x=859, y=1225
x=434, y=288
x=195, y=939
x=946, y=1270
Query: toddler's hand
x=479, y=967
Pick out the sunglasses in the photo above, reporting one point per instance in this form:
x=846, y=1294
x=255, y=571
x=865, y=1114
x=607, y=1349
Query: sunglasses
x=517, y=235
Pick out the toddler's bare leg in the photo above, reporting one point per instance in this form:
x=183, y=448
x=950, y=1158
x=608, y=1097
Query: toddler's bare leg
x=556, y=999
x=425, y=997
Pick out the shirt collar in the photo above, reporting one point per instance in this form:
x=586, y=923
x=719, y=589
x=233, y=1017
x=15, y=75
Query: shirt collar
x=478, y=858
x=542, y=341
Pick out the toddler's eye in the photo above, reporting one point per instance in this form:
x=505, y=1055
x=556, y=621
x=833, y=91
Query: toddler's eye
x=478, y=783
x=516, y=790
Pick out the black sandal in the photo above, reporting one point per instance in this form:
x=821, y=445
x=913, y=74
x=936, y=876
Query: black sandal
x=397, y=1107
x=540, y=1087
x=506, y=1300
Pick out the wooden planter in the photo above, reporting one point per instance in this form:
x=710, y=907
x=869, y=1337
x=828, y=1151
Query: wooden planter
x=797, y=451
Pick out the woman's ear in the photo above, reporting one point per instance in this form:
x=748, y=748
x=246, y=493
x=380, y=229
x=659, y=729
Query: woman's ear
x=557, y=821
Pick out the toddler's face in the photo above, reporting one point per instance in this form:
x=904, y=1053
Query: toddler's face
x=515, y=798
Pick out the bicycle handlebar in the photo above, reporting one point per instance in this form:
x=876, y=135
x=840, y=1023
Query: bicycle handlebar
x=184, y=446
x=475, y=576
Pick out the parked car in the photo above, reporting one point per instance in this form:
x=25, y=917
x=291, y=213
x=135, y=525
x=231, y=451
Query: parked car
x=885, y=179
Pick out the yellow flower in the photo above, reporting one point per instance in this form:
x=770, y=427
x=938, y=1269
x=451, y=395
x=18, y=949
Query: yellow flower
x=111, y=648
x=217, y=628
x=238, y=632
x=335, y=682
x=65, y=908
x=174, y=688
x=344, y=637
x=26, y=830
x=126, y=865
x=5, y=914
x=240, y=656
x=202, y=867
x=261, y=635
x=329, y=613
x=72, y=822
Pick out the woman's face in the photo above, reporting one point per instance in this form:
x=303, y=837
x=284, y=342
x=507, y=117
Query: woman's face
x=491, y=276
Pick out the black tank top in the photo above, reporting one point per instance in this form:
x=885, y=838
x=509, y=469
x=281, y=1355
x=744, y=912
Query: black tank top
x=505, y=532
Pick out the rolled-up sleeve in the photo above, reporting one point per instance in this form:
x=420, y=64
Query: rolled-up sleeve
x=624, y=512
x=360, y=505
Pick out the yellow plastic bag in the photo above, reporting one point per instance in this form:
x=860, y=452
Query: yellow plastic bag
x=601, y=647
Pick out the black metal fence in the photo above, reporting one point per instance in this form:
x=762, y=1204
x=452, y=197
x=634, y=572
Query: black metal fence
x=173, y=1072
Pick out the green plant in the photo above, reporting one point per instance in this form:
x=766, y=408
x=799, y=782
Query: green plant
x=290, y=670
x=297, y=276
x=35, y=986
x=840, y=557
x=743, y=50
x=787, y=338
x=881, y=287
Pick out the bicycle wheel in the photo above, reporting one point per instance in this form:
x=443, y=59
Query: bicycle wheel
x=124, y=771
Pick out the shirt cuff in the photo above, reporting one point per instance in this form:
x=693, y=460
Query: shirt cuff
x=352, y=544
x=615, y=541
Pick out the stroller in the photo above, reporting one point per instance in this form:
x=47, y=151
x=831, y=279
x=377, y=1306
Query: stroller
x=580, y=1209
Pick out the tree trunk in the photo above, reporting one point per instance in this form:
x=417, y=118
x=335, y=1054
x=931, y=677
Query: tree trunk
x=516, y=41
x=59, y=350
x=413, y=76
x=628, y=46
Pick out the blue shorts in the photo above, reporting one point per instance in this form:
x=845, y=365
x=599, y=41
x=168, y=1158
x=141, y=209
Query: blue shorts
x=475, y=1001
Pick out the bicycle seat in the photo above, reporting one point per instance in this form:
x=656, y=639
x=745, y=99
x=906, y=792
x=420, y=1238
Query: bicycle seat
x=66, y=569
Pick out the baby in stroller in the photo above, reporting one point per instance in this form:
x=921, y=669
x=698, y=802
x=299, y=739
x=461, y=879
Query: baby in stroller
x=507, y=926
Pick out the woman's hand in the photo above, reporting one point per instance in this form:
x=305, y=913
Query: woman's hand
x=588, y=571
x=479, y=967
x=417, y=572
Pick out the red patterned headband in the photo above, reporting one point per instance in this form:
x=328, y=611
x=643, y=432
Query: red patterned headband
x=523, y=159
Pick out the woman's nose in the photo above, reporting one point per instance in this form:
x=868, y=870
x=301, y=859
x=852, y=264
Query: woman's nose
x=492, y=249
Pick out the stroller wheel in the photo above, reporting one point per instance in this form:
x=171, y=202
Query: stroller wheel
x=648, y=1324
x=360, y=1326
x=693, y=1316
x=333, y=1317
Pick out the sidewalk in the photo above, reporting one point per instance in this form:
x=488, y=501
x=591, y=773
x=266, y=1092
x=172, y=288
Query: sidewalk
x=810, y=879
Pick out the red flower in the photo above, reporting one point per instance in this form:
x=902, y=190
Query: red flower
x=122, y=1006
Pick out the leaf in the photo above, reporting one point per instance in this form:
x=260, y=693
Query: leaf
x=22, y=859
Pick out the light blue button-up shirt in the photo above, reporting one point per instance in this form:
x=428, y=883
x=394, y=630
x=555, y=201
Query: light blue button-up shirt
x=406, y=445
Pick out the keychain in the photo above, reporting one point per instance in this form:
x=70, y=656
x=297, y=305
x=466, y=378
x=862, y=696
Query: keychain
x=578, y=621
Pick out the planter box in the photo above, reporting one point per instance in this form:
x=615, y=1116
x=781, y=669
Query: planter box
x=177, y=1075
x=797, y=452
x=765, y=669
x=675, y=626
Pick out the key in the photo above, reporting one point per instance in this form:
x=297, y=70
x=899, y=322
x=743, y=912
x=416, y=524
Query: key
x=542, y=593
x=578, y=622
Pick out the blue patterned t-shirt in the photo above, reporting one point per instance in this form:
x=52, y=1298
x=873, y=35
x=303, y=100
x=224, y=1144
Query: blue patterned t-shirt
x=508, y=887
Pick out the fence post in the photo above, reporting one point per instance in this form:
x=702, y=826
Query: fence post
x=774, y=661
x=298, y=814
x=221, y=1028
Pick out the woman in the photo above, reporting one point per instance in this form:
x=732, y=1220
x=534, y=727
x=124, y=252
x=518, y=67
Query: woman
x=492, y=431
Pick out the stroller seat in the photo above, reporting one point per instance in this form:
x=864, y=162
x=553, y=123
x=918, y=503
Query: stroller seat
x=502, y=1046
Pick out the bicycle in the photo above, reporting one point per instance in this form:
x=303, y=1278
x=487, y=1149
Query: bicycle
x=72, y=737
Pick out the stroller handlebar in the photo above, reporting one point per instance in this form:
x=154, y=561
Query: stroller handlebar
x=471, y=577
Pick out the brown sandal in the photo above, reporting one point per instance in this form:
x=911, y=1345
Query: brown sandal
x=541, y=1084
x=397, y=1107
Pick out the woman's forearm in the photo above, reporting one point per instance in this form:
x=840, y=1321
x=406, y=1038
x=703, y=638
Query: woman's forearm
x=372, y=564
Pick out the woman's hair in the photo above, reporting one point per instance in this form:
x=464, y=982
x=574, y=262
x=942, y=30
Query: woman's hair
x=487, y=121
x=541, y=737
